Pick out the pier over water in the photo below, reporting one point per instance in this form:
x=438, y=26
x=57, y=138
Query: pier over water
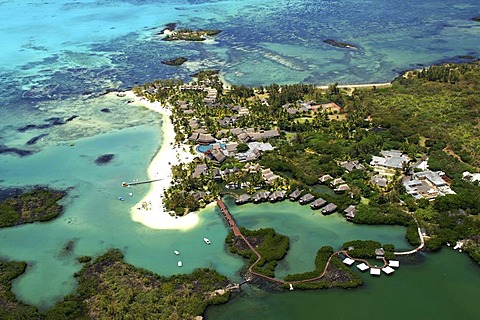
x=236, y=231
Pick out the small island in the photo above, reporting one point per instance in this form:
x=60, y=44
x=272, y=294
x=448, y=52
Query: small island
x=39, y=204
x=189, y=34
x=339, y=44
x=272, y=246
x=175, y=62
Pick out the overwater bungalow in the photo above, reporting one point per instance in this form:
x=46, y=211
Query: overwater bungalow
x=295, y=195
x=362, y=266
x=318, y=203
x=244, y=198
x=394, y=263
x=375, y=271
x=277, y=196
x=329, y=208
x=388, y=270
x=262, y=196
x=350, y=212
x=306, y=198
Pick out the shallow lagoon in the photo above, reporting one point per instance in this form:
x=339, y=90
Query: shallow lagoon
x=95, y=220
x=58, y=57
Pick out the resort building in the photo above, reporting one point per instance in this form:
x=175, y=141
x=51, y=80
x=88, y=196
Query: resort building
x=337, y=182
x=269, y=176
x=324, y=179
x=472, y=177
x=199, y=170
x=202, y=138
x=379, y=181
x=342, y=188
x=428, y=185
x=349, y=166
x=390, y=160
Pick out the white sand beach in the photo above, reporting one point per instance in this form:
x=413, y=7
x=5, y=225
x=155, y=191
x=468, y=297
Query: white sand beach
x=150, y=210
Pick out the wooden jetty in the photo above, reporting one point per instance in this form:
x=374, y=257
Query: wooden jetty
x=133, y=183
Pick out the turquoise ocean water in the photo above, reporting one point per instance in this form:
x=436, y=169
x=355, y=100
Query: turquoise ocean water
x=59, y=58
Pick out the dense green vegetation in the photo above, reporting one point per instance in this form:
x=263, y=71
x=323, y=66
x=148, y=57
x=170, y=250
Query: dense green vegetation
x=365, y=249
x=39, y=204
x=10, y=308
x=109, y=288
x=271, y=246
x=427, y=114
x=337, y=275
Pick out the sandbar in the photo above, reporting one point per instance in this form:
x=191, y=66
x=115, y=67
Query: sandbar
x=150, y=210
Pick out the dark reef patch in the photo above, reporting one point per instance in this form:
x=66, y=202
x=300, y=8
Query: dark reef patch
x=104, y=159
x=51, y=122
x=175, y=62
x=34, y=140
x=339, y=44
x=19, y=152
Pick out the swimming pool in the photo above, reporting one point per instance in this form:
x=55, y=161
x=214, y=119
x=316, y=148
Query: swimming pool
x=205, y=148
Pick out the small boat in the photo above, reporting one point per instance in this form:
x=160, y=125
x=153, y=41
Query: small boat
x=176, y=252
x=130, y=194
x=179, y=263
x=121, y=198
x=206, y=240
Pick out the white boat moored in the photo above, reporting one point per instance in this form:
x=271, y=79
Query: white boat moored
x=206, y=240
x=176, y=252
x=179, y=263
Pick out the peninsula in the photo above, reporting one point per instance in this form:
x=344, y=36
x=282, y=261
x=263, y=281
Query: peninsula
x=109, y=287
x=338, y=150
x=39, y=204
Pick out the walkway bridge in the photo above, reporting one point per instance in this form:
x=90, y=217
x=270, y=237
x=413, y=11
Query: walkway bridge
x=236, y=231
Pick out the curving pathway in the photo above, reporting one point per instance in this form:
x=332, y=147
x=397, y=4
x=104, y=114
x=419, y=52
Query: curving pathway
x=236, y=231
x=420, y=247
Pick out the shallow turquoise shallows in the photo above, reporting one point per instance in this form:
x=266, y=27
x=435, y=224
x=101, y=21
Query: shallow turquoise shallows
x=59, y=60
